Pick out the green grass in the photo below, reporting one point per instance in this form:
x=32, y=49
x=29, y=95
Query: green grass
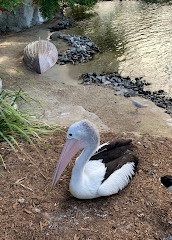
x=16, y=125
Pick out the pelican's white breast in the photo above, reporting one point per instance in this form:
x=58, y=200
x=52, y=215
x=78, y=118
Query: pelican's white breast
x=85, y=185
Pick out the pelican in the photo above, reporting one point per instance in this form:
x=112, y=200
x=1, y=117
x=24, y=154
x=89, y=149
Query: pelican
x=99, y=170
x=167, y=182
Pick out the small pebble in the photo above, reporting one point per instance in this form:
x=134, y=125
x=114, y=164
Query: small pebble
x=21, y=200
x=154, y=165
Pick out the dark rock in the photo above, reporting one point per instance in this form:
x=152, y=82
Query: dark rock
x=139, y=83
x=147, y=84
x=161, y=91
x=127, y=94
x=140, y=91
x=56, y=35
x=132, y=93
x=169, y=111
x=64, y=23
x=95, y=74
x=128, y=78
x=160, y=104
x=81, y=50
x=146, y=92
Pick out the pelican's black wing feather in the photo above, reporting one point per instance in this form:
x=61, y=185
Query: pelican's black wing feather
x=114, y=155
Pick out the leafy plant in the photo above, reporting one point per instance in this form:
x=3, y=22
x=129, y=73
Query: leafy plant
x=47, y=7
x=15, y=125
x=89, y=3
x=11, y=5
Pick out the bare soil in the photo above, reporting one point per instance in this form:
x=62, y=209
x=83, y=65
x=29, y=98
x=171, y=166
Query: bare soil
x=143, y=210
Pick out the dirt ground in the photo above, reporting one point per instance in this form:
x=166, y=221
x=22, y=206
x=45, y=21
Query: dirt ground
x=28, y=210
x=143, y=210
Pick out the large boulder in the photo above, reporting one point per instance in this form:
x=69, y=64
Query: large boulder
x=25, y=16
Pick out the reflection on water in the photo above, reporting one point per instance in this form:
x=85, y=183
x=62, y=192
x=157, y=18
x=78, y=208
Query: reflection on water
x=135, y=38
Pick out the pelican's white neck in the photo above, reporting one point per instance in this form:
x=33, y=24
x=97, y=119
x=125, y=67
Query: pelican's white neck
x=80, y=162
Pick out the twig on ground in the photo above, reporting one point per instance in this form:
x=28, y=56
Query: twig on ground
x=28, y=188
x=19, y=181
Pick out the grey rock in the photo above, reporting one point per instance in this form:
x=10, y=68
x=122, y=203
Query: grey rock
x=56, y=35
x=25, y=16
x=80, y=51
x=106, y=83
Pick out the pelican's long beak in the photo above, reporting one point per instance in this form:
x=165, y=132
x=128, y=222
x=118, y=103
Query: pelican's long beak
x=71, y=147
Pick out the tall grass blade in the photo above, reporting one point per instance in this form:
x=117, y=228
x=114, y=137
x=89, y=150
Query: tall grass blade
x=6, y=139
x=3, y=162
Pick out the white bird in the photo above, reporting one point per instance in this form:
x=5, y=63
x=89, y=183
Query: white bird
x=138, y=104
x=98, y=171
x=167, y=182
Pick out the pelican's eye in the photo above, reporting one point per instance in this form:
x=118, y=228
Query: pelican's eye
x=70, y=134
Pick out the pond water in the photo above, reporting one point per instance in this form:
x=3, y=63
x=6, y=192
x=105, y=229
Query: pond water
x=134, y=38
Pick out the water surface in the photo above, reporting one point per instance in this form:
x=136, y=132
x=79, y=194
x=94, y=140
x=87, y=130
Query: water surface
x=135, y=39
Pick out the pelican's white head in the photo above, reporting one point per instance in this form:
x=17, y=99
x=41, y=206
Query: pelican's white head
x=80, y=135
x=84, y=131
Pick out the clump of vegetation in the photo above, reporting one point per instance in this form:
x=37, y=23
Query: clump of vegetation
x=47, y=7
x=11, y=5
x=89, y=3
x=16, y=125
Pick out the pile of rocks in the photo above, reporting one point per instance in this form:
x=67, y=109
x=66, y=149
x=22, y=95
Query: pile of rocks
x=64, y=23
x=83, y=48
x=128, y=88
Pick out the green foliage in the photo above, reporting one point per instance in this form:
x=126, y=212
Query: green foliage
x=89, y=3
x=47, y=7
x=11, y=4
x=86, y=2
x=15, y=125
